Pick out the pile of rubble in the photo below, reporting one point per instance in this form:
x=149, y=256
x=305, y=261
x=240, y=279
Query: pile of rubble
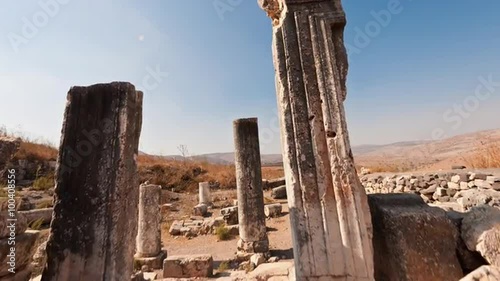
x=466, y=189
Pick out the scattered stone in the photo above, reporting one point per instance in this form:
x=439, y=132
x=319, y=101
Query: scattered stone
x=175, y=229
x=275, y=270
x=258, y=259
x=273, y=210
x=476, y=197
x=200, y=210
x=276, y=183
x=481, y=232
x=188, y=266
x=230, y=215
x=42, y=215
x=273, y=259
x=279, y=192
x=460, y=178
x=482, y=183
x=492, y=179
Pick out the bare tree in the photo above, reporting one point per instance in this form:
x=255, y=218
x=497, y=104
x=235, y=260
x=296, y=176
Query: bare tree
x=183, y=149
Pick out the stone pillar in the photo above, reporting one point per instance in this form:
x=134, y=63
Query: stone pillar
x=252, y=221
x=94, y=224
x=149, y=251
x=204, y=193
x=330, y=218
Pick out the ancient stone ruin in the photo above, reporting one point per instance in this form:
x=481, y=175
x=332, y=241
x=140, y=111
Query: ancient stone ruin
x=441, y=226
x=149, y=250
x=329, y=211
x=94, y=225
x=253, y=236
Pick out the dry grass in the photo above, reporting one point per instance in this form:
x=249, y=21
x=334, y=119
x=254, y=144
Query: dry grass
x=386, y=167
x=272, y=172
x=185, y=175
x=485, y=156
x=171, y=174
x=31, y=149
x=36, y=152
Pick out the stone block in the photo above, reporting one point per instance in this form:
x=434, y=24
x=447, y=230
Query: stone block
x=412, y=241
x=43, y=215
x=492, y=179
x=481, y=232
x=276, y=182
x=188, y=266
x=279, y=192
x=151, y=262
x=200, y=210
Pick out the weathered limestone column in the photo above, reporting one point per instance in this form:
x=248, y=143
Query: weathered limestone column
x=149, y=251
x=252, y=221
x=330, y=218
x=204, y=193
x=94, y=224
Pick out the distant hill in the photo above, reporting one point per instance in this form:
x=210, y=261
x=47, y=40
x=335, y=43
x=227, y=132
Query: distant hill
x=439, y=154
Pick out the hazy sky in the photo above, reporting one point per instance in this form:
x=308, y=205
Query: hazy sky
x=420, y=74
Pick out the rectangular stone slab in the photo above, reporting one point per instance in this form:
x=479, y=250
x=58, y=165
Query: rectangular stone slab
x=188, y=266
x=412, y=241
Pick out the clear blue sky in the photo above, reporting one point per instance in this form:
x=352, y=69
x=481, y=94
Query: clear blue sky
x=403, y=85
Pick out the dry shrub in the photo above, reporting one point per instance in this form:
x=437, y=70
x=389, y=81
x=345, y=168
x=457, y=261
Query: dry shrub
x=184, y=175
x=272, y=172
x=485, y=156
x=222, y=233
x=36, y=152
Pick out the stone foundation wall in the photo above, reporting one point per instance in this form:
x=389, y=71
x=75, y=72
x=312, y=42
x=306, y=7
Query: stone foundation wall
x=434, y=187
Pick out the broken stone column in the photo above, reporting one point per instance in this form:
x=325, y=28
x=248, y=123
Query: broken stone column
x=251, y=218
x=329, y=212
x=94, y=224
x=204, y=193
x=149, y=251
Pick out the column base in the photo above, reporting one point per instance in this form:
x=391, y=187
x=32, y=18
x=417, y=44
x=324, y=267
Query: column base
x=152, y=262
x=252, y=247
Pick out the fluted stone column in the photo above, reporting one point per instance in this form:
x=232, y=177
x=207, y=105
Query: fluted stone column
x=94, y=223
x=252, y=221
x=149, y=251
x=204, y=193
x=330, y=218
